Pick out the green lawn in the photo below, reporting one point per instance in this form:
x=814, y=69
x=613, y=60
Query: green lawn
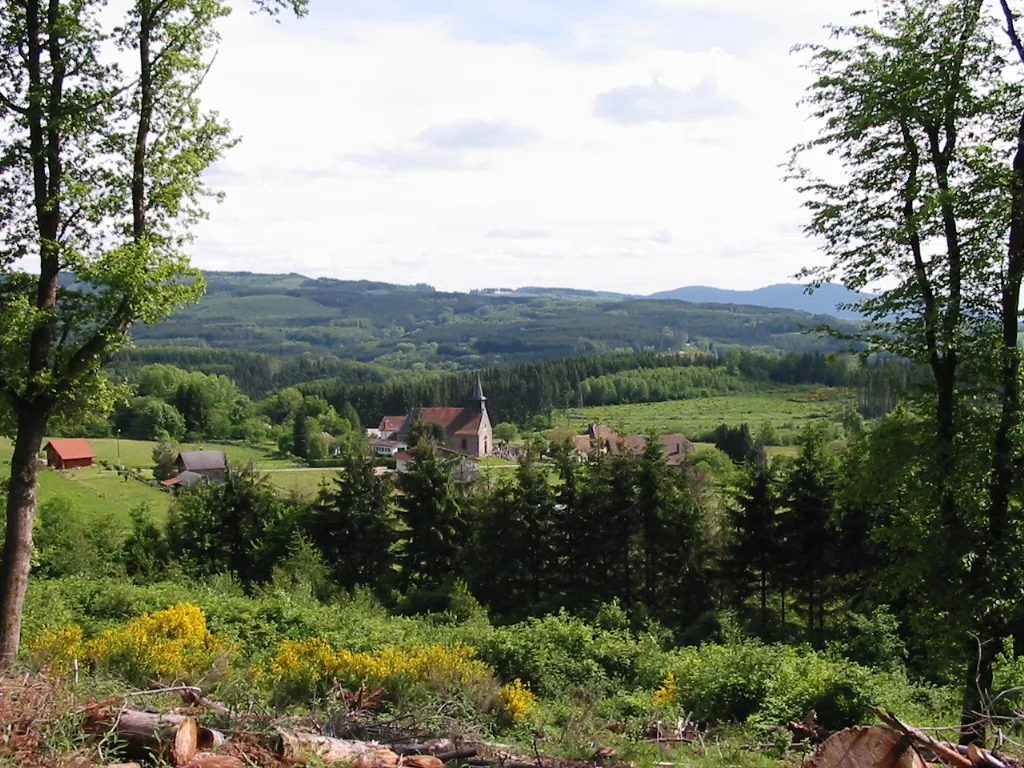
x=304, y=482
x=139, y=453
x=789, y=410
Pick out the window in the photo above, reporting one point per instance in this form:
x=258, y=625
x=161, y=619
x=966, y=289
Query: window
x=464, y=444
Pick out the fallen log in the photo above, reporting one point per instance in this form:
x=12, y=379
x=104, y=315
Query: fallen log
x=210, y=760
x=945, y=752
x=430, y=747
x=457, y=754
x=876, y=746
x=186, y=740
x=297, y=747
x=145, y=734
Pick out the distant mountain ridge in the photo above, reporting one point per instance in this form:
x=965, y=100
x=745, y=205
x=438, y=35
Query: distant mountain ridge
x=406, y=326
x=824, y=301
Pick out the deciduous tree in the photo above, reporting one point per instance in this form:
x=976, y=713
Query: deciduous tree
x=923, y=112
x=100, y=183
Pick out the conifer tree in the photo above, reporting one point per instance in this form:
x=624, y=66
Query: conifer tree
x=809, y=494
x=754, y=547
x=432, y=515
x=352, y=523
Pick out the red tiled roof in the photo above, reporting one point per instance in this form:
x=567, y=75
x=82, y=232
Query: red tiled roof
x=605, y=433
x=454, y=421
x=391, y=423
x=72, y=448
x=405, y=456
x=582, y=443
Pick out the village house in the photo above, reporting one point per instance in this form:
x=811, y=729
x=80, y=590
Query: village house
x=212, y=465
x=69, y=453
x=388, y=448
x=389, y=427
x=467, y=431
x=597, y=436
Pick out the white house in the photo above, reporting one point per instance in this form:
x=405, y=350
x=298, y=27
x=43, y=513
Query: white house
x=388, y=447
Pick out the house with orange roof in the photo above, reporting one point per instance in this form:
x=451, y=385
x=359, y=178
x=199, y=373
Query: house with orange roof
x=69, y=453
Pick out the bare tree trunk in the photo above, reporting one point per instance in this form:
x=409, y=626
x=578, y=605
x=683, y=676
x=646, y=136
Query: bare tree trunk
x=17, y=552
x=977, y=688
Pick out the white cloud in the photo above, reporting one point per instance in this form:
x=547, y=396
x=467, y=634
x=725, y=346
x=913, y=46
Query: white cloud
x=351, y=134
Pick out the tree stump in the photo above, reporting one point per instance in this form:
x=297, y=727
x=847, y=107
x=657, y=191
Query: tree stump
x=876, y=746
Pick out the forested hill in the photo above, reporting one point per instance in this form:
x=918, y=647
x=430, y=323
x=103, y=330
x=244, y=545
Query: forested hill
x=401, y=326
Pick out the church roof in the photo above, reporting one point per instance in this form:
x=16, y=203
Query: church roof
x=454, y=421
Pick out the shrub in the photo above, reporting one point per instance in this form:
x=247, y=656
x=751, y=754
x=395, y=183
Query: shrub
x=168, y=645
x=750, y=681
x=517, y=700
x=301, y=669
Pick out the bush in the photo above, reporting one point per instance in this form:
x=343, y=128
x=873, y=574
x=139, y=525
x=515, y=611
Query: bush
x=173, y=644
x=753, y=682
x=561, y=652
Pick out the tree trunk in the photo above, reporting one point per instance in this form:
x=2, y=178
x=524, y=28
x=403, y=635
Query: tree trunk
x=977, y=686
x=17, y=552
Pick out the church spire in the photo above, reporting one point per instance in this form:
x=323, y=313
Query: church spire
x=478, y=396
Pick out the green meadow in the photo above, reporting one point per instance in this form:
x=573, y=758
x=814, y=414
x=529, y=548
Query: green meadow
x=789, y=410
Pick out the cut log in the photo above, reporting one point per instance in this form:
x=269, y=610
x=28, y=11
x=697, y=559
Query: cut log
x=186, y=740
x=382, y=757
x=429, y=747
x=947, y=753
x=456, y=754
x=422, y=761
x=210, y=760
x=877, y=746
x=145, y=734
x=297, y=748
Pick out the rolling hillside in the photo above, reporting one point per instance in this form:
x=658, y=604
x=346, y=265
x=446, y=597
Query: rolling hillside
x=824, y=301
x=412, y=326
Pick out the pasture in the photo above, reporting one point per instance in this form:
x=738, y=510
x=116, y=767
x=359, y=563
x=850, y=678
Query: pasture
x=789, y=410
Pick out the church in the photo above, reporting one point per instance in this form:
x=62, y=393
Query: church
x=467, y=430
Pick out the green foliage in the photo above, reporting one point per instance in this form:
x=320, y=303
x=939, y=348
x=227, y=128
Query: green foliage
x=69, y=544
x=241, y=527
x=434, y=523
x=146, y=554
x=506, y=432
x=559, y=653
x=749, y=681
x=352, y=524
x=165, y=460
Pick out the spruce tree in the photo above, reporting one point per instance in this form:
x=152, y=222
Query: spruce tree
x=810, y=502
x=754, y=549
x=435, y=529
x=352, y=523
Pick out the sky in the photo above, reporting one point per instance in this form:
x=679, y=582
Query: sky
x=623, y=145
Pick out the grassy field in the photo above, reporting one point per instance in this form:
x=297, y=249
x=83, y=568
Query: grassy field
x=789, y=410
x=98, y=491
x=138, y=454
x=304, y=482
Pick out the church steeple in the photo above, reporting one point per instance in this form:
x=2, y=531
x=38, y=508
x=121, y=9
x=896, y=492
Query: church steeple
x=478, y=396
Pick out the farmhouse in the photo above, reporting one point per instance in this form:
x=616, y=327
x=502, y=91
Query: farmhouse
x=677, y=447
x=212, y=465
x=388, y=447
x=467, y=431
x=389, y=427
x=69, y=453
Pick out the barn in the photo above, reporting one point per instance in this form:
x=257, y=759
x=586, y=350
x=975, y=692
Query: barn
x=70, y=453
